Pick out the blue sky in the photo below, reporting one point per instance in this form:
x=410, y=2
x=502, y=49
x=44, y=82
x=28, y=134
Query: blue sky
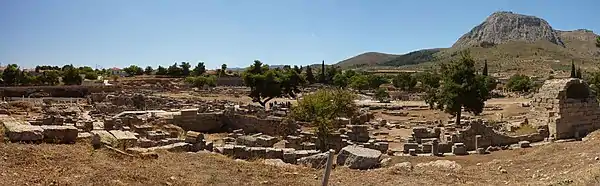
x=161, y=32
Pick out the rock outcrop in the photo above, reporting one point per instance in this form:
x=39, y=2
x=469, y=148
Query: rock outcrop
x=503, y=27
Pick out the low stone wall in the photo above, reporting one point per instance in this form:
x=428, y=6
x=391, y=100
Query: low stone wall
x=22, y=131
x=219, y=121
x=489, y=137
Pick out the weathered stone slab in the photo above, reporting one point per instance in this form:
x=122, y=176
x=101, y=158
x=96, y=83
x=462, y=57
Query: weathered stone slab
x=103, y=137
x=358, y=158
x=193, y=137
x=60, y=134
x=317, y=161
x=22, y=131
x=125, y=138
x=176, y=147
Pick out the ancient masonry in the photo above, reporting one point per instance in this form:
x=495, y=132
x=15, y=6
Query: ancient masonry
x=567, y=106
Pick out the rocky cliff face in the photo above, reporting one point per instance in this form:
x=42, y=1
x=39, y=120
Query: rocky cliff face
x=503, y=27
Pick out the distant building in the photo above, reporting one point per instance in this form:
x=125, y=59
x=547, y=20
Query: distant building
x=117, y=71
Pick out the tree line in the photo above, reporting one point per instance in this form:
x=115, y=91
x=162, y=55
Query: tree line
x=13, y=75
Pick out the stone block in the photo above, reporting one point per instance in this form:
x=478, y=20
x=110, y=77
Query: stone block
x=412, y=152
x=459, y=149
x=317, y=161
x=241, y=152
x=101, y=137
x=524, y=144
x=22, y=131
x=358, y=158
x=146, y=143
x=408, y=146
x=156, y=135
x=176, y=147
x=266, y=141
x=60, y=134
x=193, y=137
x=289, y=157
x=246, y=140
x=125, y=139
x=274, y=153
x=258, y=152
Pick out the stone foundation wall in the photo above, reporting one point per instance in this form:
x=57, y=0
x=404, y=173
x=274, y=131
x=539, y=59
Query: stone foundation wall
x=489, y=137
x=220, y=121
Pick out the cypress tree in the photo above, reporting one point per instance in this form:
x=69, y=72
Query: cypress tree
x=573, y=71
x=485, y=68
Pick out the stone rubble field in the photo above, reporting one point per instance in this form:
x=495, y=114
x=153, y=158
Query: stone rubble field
x=215, y=137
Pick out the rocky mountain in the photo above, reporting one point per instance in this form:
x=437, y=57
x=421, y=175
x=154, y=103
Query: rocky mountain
x=504, y=27
x=510, y=42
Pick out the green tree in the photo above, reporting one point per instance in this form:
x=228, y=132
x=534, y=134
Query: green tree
x=133, y=70
x=310, y=77
x=71, y=76
x=343, y=79
x=461, y=88
x=200, y=69
x=50, y=77
x=185, y=68
x=148, y=70
x=382, y=95
x=223, y=70
x=428, y=79
x=174, y=70
x=359, y=82
x=375, y=81
x=161, y=71
x=519, y=83
x=91, y=75
x=27, y=79
x=404, y=81
x=598, y=41
x=266, y=84
x=321, y=108
x=200, y=81
x=573, y=71
x=593, y=79
x=10, y=75
x=331, y=71
x=85, y=69
x=322, y=76
x=485, y=69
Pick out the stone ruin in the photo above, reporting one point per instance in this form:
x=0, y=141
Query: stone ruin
x=477, y=135
x=567, y=106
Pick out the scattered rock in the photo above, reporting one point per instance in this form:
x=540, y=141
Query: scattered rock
x=441, y=164
x=317, y=161
x=358, y=157
x=276, y=162
x=401, y=167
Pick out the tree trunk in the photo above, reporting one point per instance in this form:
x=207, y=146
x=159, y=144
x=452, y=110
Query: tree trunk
x=457, y=118
x=264, y=103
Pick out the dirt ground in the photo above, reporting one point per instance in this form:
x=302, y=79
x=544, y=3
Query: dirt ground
x=78, y=164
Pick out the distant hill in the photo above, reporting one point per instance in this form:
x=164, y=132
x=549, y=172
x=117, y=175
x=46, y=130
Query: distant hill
x=366, y=59
x=509, y=42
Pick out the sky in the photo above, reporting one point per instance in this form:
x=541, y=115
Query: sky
x=119, y=33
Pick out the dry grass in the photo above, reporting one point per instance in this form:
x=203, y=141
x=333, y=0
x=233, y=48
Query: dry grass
x=79, y=164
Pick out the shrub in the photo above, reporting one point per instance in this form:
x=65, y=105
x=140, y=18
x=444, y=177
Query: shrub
x=382, y=95
x=325, y=104
x=200, y=81
x=519, y=83
x=321, y=108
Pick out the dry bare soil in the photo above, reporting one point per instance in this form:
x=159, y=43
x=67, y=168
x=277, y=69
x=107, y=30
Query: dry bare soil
x=78, y=164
